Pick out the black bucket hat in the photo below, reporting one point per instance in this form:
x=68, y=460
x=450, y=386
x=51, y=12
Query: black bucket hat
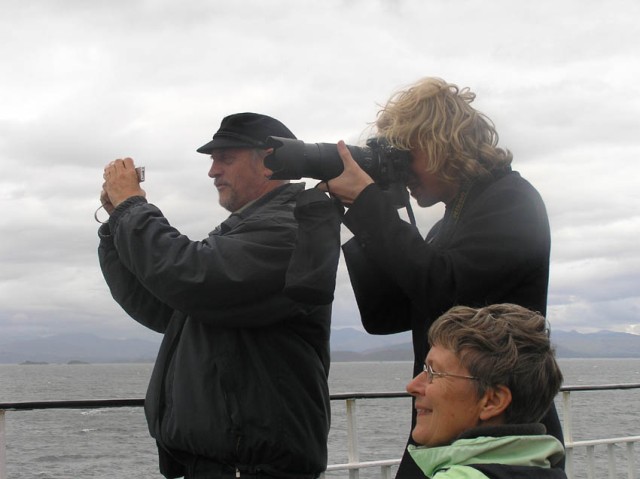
x=245, y=130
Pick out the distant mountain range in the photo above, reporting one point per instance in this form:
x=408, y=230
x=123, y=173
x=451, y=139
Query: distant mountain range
x=346, y=345
x=354, y=345
x=64, y=348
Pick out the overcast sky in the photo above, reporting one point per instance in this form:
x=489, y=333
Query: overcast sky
x=85, y=81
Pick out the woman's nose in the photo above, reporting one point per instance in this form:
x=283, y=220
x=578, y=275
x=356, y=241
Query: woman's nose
x=416, y=385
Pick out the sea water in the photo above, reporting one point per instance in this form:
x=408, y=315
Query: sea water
x=107, y=443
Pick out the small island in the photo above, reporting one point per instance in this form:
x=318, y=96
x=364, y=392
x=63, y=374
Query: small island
x=32, y=363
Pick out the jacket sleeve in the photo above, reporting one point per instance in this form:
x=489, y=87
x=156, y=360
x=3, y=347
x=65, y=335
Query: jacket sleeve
x=384, y=307
x=199, y=278
x=125, y=288
x=502, y=238
x=311, y=274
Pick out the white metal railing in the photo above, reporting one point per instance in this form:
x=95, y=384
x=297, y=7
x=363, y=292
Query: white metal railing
x=354, y=465
x=590, y=446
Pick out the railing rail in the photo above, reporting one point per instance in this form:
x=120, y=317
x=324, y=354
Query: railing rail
x=354, y=465
x=74, y=404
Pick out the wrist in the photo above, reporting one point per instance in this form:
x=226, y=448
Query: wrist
x=122, y=208
x=124, y=196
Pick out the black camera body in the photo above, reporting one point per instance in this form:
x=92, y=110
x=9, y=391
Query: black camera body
x=295, y=159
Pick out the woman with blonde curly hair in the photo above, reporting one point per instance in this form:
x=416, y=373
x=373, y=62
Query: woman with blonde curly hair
x=436, y=117
x=491, y=246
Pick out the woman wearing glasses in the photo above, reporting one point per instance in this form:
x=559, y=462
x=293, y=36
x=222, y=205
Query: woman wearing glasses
x=488, y=379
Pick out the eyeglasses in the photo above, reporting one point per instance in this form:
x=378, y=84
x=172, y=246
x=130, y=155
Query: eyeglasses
x=428, y=370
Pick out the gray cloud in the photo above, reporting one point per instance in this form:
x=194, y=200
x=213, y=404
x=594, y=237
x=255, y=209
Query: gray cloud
x=82, y=83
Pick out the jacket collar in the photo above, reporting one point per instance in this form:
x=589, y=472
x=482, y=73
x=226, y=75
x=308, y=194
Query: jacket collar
x=283, y=194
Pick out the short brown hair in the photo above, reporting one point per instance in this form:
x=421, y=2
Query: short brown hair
x=504, y=344
x=436, y=117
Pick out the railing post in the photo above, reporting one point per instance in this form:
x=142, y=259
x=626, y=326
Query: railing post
x=385, y=472
x=612, y=461
x=352, y=438
x=631, y=462
x=591, y=461
x=567, y=431
x=569, y=462
x=3, y=448
x=567, y=424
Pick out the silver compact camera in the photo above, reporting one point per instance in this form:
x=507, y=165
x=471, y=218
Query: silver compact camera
x=139, y=174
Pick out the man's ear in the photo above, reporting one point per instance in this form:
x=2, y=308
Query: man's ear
x=264, y=153
x=494, y=402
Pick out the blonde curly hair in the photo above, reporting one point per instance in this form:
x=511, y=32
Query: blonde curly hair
x=436, y=117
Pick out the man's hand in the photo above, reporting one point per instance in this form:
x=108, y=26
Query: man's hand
x=120, y=182
x=351, y=182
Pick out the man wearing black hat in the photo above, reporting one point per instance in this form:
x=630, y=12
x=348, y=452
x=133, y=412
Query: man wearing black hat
x=239, y=388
